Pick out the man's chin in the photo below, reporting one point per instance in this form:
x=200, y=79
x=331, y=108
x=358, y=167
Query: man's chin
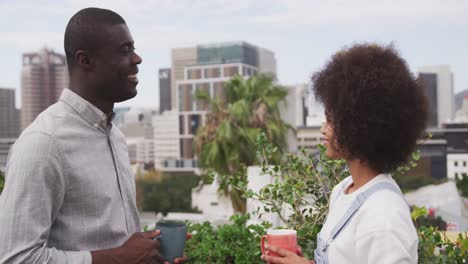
x=129, y=95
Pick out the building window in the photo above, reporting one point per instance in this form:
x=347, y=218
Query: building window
x=214, y=204
x=212, y=73
x=219, y=91
x=181, y=125
x=456, y=164
x=456, y=175
x=231, y=71
x=202, y=105
x=194, y=74
x=464, y=163
x=185, y=97
x=194, y=124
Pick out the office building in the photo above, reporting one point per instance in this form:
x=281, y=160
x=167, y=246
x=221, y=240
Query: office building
x=43, y=77
x=164, y=90
x=9, y=115
x=438, y=84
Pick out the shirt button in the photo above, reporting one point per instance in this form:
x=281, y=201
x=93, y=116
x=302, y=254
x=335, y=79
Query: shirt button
x=96, y=125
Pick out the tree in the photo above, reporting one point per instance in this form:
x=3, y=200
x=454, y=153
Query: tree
x=226, y=144
x=164, y=194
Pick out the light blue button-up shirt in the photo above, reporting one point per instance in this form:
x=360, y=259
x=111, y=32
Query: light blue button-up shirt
x=69, y=189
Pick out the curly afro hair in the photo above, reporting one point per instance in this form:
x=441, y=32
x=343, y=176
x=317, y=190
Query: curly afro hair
x=375, y=106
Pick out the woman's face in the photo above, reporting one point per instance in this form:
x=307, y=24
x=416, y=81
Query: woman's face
x=333, y=151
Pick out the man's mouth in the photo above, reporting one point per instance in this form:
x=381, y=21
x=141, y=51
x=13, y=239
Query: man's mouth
x=133, y=78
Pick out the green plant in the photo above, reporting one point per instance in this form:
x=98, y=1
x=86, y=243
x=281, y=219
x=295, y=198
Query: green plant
x=236, y=242
x=435, y=247
x=2, y=181
x=462, y=185
x=302, y=185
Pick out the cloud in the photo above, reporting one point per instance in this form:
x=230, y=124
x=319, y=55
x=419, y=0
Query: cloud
x=31, y=41
x=364, y=11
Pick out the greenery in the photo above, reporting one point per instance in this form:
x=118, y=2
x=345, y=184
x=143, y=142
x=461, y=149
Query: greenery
x=432, y=221
x=237, y=242
x=2, y=181
x=159, y=193
x=435, y=247
x=462, y=185
x=302, y=185
x=250, y=106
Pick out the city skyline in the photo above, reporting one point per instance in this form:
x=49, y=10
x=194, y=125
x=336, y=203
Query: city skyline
x=302, y=34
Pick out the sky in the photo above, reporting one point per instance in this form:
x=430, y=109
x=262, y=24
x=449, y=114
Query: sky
x=303, y=34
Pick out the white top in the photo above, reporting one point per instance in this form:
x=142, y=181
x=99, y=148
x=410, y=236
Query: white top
x=381, y=231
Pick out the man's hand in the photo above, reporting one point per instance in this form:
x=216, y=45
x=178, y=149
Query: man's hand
x=139, y=248
x=285, y=257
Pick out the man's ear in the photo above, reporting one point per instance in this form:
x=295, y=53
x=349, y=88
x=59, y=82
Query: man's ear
x=84, y=60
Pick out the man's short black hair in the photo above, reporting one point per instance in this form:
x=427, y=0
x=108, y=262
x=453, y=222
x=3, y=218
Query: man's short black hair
x=85, y=31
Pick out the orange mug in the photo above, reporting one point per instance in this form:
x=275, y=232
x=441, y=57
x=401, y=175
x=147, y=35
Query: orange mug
x=282, y=238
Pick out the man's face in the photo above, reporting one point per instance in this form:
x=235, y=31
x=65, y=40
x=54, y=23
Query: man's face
x=116, y=65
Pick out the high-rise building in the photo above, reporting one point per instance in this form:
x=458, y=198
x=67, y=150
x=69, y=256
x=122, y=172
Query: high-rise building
x=9, y=115
x=43, y=77
x=215, y=54
x=294, y=113
x=206, y=68
x=164, y=90
x=166, y=142
x=438, y=84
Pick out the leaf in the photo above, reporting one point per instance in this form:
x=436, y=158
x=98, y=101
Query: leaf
x=418, y=212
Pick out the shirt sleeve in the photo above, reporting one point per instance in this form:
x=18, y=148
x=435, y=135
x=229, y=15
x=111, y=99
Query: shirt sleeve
x=35, y=187
x=386, y=247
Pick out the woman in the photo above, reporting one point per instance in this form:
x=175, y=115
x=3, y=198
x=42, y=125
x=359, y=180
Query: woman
x=375, y=113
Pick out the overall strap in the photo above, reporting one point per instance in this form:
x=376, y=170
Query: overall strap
x=357, y=203
x=343, y=186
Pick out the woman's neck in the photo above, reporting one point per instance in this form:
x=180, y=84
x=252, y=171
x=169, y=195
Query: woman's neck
x=361, y=174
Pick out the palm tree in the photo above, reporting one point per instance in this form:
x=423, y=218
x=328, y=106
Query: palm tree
x=226, y=143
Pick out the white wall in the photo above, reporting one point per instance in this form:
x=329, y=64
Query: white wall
x=166, y=136
x=457, y=165
x=214, y=206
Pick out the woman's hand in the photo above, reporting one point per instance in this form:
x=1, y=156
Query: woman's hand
x=285, y=257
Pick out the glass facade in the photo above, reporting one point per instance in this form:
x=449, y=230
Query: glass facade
x=232, y=53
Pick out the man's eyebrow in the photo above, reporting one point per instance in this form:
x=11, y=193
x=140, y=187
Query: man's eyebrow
x=127, y=43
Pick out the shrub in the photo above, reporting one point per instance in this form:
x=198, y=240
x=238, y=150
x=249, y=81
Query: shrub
x=237, y=242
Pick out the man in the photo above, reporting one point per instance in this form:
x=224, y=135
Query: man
x=69, y=195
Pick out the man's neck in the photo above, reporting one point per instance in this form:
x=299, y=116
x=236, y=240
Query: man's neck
x=105, y=107
x=361, y=174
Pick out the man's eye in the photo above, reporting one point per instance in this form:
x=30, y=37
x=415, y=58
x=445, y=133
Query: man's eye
x=127, y=49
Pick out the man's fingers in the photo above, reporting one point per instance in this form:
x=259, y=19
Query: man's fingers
x=158, y=257
x=150, y=234
x=181, y=260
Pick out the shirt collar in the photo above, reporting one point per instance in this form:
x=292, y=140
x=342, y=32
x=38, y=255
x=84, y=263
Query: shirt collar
x=90, y=113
